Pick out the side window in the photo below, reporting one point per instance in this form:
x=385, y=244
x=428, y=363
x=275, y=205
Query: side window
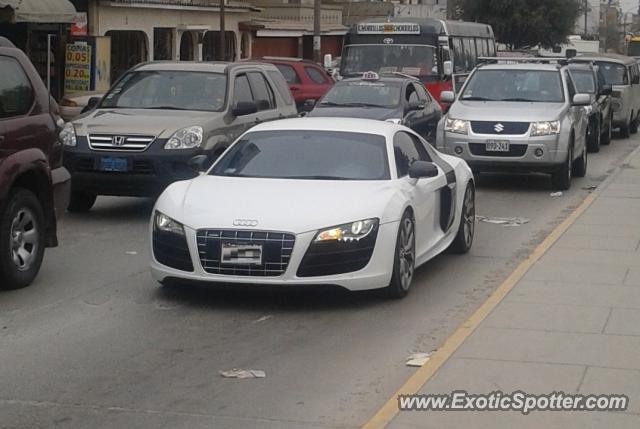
x=411, y=94
x=281, y=86
x=492, y=48
x=289, y=73
x=263, y=93
x=16, y=93
x=242, y=90
x=315, y=75
x=458, y=55
x=406, y=152
x=469, y=53
x=423, y=94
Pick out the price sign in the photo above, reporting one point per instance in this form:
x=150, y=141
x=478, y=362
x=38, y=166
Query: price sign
x=77, y=69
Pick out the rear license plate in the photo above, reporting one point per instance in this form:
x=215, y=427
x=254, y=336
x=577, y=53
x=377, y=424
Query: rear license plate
x=497, y=146
x=241, y=254
x=110, y=163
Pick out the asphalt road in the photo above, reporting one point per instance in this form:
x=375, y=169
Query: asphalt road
x=95, y=343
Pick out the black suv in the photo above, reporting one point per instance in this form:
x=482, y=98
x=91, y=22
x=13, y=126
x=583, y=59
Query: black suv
x=589, y=80
x=161, y=121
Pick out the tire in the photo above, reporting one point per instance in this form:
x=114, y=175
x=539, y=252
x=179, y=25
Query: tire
x=625, y=130
x=561, y=178
x=580, y=165
x=606, y=137
x=464, y=238
x=81, y=202
x=633, y=126
x=404, y=258
x=22, y=239
x=593, y=137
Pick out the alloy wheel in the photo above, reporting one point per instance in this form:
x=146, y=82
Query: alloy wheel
x=24, y=239
x=406, y=256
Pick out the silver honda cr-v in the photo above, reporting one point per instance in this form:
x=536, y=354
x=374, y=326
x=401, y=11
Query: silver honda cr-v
x=518, y=115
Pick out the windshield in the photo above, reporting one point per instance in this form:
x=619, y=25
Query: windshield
x=539, y=86
x=171, y=90
x=368, y=94
x=614, y=73
x=633, y=50
x=311, y=155
x=414, y=60
x=584, y=81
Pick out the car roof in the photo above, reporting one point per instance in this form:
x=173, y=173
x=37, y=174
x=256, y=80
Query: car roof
x=210, y=66
x=616, y=58
x=284, y=60
x=354, y=125
x=521, y=66
x=383, y=78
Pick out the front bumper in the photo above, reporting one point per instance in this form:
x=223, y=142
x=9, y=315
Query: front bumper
x=148, y=174
x=376, y=274
x=521, y=157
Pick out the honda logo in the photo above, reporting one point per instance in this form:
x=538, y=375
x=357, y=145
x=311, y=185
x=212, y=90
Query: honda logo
x=498, y=127
x=118, y=140
x=245, y=222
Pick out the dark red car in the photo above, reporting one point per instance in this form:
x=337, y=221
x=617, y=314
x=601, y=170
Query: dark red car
x=33, y=183
x=306, y=79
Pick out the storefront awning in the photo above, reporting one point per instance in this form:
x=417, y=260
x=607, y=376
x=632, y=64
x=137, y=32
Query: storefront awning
x=41, y=11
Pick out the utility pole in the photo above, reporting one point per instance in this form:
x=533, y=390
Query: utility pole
x=317, y=52
x=222, y=45
x=586, y=11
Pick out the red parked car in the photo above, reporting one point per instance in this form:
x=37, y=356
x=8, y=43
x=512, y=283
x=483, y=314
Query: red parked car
x=306, y=79
x=33, y=183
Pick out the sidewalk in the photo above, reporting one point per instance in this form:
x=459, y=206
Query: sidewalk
x=571, y=324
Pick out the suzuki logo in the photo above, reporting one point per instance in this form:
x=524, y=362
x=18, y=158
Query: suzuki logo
x=388, y=41
x=498, y=127
x=245, y=222
x=118, y=140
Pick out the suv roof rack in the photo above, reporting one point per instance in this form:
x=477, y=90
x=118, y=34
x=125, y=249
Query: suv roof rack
x=515, y=60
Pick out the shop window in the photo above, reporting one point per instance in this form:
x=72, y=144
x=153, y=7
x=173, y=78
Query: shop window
x=162, y=43
x=128, y=48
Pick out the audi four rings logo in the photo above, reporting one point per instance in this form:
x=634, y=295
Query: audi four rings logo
x=245, y=222
x=387, y=41
x=118, y=140
x=499, y=128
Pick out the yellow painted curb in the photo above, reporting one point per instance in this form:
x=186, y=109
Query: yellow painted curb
x=419, y=378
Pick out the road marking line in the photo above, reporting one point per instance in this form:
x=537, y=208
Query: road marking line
x=418, y=379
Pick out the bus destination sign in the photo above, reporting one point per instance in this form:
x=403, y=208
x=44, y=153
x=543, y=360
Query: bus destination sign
x=388, y=28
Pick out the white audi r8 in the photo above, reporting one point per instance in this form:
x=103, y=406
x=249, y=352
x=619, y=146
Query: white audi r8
x=355, y=203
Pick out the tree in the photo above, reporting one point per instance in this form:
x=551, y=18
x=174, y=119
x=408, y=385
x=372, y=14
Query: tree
x=522, y=23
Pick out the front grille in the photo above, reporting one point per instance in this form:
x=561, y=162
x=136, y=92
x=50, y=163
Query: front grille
x=120, y=142
x=276, y=251
x=138, y=166
x=515, y=150
x=85, y=165
x=497, y=127
x=142, y=166
x=171, y=250
x=337, y=257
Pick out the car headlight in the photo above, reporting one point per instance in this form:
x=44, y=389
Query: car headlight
x=397, y=121
x=164, y=223
x=545, y=128
x=185, y=138
x=68, y=135
x=348, y=232
x=457, y=126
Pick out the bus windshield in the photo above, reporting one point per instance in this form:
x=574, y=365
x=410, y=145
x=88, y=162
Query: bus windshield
x=414, y=60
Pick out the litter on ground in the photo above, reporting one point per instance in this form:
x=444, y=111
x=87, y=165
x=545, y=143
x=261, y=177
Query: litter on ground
x=243, y=373
x=504, y=221
x=418, y=359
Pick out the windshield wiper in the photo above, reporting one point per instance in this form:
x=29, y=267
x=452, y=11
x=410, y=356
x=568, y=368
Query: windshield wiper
x=319, y=177
x=519, y=99
x=476, y=99
x=165, y=108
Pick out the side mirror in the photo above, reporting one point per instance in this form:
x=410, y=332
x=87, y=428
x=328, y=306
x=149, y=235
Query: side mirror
x=308, y=105
x=91, y=104
x=447, y=68
x=198, y=162
x=447, y=97
x=606, y=90
x=328, y=61
x=415, y=105
x=420, y=169
x=243, y=108
x=581, y=100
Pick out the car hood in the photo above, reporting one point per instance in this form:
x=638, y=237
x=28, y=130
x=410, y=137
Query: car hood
x=356, y=112
x=160, y=123
x=278, y=204
x=505, y=111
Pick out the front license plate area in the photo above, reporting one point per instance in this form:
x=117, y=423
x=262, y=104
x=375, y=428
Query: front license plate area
x=111, y=163
x=241, y=254
x=497, y=146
